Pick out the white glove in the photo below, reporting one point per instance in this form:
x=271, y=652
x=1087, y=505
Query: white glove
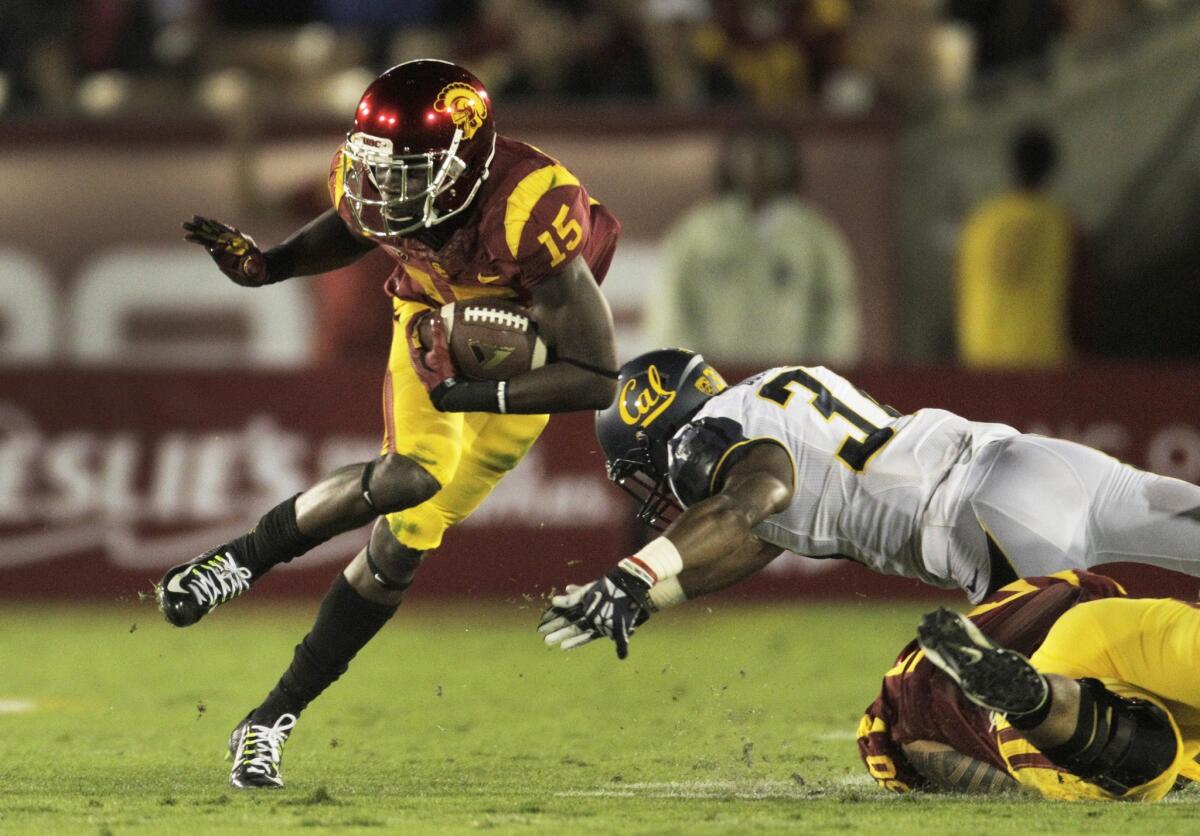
x=560, y=622
x=614, y=606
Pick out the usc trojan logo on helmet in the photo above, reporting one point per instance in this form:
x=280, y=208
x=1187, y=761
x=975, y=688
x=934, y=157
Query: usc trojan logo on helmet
x=642, y=408
x=466, y=107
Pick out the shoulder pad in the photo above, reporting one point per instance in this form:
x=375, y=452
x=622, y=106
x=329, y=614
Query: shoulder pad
x=697, y=452
x=546, y=223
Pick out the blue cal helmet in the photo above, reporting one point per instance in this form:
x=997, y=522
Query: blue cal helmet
x=657, y=393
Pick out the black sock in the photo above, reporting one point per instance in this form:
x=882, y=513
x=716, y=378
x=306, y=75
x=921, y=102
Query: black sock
x=1032, y=719
x=276, y=539
x=345, y=623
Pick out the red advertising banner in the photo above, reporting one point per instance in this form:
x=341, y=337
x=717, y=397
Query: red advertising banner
x=109, y=477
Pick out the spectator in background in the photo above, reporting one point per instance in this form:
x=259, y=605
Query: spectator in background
x=378, y=21
x=609, y=59
x=37, y=53
x=265, y=13
x=557, y=49
x=776, y=53
x=757, y=275
x=668, y=31
x=117, y=34
x=1020, y=279
x=1010, y=32
x=522, y=48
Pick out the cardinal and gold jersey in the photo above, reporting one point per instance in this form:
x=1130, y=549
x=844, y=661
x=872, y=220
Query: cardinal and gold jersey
x=1074, y=624
x=1139, y=648
x=530, y=217
x=919, y=702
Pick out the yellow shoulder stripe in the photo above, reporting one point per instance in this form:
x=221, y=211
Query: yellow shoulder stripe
x=1067, y=575
x=1015, y=590
x=526, y=195
x=906, y=664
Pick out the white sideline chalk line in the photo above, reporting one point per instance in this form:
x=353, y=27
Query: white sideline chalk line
x=17, y=706
x=718, y=789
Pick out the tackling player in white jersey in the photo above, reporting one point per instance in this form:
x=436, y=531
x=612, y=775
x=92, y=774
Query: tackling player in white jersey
x=797, y=458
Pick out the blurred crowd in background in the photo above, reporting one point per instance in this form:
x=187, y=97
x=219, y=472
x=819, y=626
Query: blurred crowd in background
x=840, y=55
x=1028, y=202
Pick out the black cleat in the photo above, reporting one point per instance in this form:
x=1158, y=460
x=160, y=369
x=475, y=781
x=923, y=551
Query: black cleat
x=189, y=591
x=991, y=676
x=257, y=751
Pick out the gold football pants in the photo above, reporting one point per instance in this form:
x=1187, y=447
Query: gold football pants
x=468, y=453
x=1147, y=648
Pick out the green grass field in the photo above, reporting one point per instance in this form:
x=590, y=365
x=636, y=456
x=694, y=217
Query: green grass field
x=734, y=720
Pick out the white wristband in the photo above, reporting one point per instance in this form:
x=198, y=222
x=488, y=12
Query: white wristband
x=501, y=399
x=658, y=561
x=666, y=593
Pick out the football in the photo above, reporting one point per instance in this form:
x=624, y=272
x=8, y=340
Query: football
x=492, y=339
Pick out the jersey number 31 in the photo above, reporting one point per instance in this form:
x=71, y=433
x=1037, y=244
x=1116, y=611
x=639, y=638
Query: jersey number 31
x=854, y=452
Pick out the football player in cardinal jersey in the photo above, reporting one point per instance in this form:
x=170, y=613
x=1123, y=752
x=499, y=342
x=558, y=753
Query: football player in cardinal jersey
x=1104, y=708
x=798, y=458
x=466, y=213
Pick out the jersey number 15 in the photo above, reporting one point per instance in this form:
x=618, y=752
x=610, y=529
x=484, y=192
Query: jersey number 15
x=570, y=233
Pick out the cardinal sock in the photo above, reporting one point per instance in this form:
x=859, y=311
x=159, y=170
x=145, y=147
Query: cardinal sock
x=345, y=623
x=276, y=539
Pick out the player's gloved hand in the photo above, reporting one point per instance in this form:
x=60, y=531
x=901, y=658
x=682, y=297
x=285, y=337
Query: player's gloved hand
x=614, y=606
x=560, y=622
x=429, y=352
x=235, y=253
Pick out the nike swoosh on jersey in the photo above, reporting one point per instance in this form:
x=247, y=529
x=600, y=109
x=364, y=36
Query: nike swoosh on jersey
x=487, y=279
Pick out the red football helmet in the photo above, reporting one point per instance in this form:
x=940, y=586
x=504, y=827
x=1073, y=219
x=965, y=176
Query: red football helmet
x=422, y=142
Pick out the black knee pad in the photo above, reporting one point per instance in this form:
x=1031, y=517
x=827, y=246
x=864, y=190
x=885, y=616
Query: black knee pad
x=402, y=484
x=1118, y=743
x=365, y=489
x=386, y=580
